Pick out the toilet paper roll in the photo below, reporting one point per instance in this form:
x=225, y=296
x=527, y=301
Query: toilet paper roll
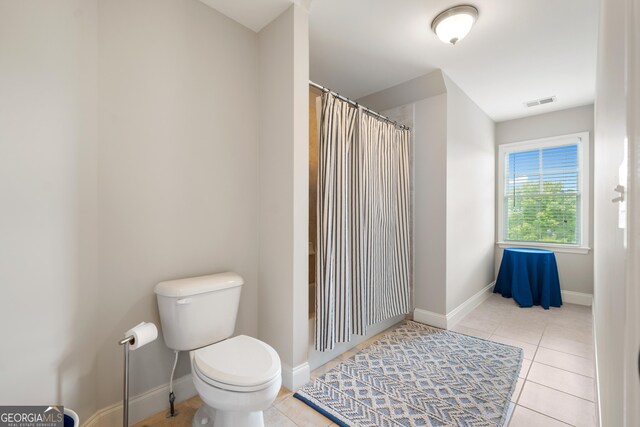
x=143, y=334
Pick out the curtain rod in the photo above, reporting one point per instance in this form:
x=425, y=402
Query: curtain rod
x=354, y=103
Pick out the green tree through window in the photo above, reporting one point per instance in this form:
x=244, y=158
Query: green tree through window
x=542, y=199
x=537, y=217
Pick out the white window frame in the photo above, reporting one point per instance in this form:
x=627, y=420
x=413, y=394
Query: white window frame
x=581, y=247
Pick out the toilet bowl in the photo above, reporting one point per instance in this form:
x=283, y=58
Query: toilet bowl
x=236, y=377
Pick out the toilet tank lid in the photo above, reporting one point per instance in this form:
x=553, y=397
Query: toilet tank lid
x=198, y=285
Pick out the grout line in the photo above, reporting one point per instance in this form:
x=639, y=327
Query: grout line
x=560, y=351
x=513, y=339
x=473, y=329
x=533, y=358
x=284, y=413
x=561, y=369
x=542, y=413
x=561, y=391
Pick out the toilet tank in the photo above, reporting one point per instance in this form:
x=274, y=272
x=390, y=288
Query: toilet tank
x=198, y=311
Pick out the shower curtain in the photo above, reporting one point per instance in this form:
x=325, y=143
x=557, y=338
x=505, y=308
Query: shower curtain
x=363, y=254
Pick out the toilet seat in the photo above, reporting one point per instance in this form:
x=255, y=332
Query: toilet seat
x=240, y=363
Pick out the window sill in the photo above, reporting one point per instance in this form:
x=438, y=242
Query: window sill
x=551, y=246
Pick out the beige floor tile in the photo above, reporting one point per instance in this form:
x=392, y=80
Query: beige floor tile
x=571, y=321
x=559, y=379
x=274, y=418
x=282, y=394
x=302, y=414
x=518, y=389
x=533, y=325
x=495, y=313
x=577, y=308
x=194, y=402
x=470, y=331
x=523, y=417
x=183, y=419
x=325, y=368
x=566, y=333
x=519, y=333
x=526, y=364
x=556, y=404
x=535, y=312
x=583, y=335
x=529, y=349
x=572, y=318
x=568, y=362
x=529, y=317
x=567, y=346
x=479, y=323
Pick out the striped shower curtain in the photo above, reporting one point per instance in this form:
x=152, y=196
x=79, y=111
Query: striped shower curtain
x=363, y=256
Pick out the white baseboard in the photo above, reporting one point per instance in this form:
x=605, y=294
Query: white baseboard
x=579, y=298
x=458, y=313
x=430, y=318
x=449, y=320
x=294, y=378
x=143, y=405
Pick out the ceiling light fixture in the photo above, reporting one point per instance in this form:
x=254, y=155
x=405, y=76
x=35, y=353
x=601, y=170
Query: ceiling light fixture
x=454, y=24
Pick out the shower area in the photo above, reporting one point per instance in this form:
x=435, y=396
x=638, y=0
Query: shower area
x=360, y=264
x=314, y=98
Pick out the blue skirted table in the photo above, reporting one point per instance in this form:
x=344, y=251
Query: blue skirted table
x=530, y=276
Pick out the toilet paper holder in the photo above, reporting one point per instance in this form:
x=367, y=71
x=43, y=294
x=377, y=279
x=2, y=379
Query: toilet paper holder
x=136, y=337
x=126, y=342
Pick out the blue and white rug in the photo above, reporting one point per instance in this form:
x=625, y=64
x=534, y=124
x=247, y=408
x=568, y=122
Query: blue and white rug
x=417, y=375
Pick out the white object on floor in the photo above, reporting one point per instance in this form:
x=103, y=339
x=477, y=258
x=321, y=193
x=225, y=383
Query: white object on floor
x=236, y=378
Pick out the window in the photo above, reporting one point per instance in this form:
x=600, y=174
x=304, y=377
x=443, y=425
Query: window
x=544, y=194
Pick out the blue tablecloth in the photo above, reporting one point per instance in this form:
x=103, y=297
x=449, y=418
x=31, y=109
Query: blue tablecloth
x=530, y=276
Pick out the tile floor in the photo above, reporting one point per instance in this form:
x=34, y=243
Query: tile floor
x=556, y=385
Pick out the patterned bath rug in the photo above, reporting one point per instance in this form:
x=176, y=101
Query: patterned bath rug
x=417, y=375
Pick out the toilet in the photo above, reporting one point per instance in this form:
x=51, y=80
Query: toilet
x=238, y=377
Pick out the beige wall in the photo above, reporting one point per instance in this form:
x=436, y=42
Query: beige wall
x=427, y=95
x=90, y=224
x=453, y=254
x=48, y=203
x=576, y=270
x=284, y=190
x=178, y=160
x=470, y=197
x=130, y=155
x=430, y=204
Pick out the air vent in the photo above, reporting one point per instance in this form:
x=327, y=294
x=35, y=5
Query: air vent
x=547, y=100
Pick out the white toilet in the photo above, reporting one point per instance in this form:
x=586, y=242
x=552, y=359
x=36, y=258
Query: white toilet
x=237, y=378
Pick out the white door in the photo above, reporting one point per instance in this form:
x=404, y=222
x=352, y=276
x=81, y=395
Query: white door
x=617, y=221
x=632, y=325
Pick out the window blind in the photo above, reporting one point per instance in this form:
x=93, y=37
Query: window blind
x=542, y=195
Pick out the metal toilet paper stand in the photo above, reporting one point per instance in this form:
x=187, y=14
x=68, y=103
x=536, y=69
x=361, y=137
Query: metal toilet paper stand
x=125, y=343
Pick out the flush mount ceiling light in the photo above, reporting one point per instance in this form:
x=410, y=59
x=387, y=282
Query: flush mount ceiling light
x=454, y=24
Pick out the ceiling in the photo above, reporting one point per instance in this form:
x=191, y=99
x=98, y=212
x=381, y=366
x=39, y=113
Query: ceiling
x=253, y=14
x=519, y=50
